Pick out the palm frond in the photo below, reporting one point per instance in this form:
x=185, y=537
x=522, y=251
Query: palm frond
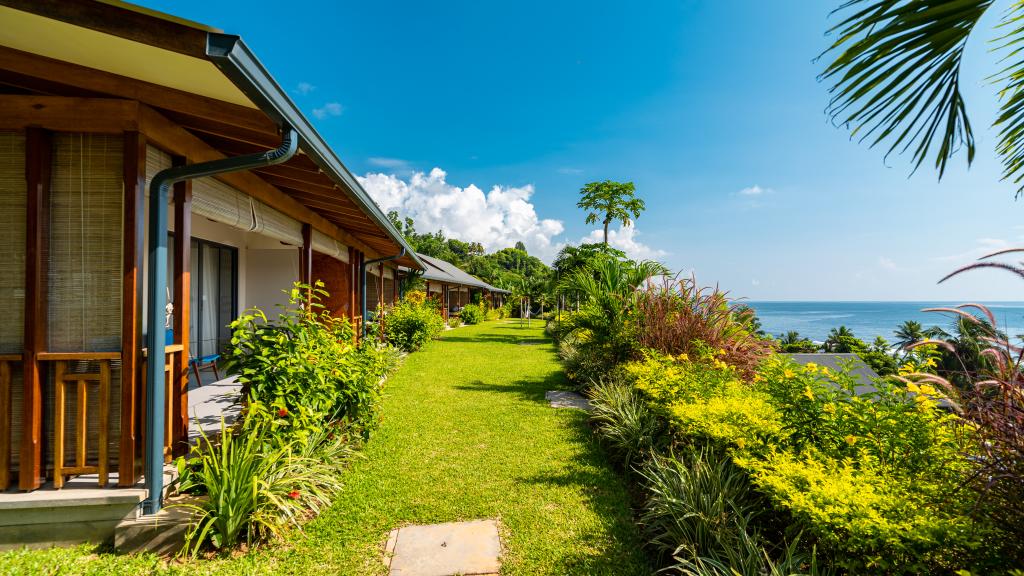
x=1011, y=95
x=897, y=75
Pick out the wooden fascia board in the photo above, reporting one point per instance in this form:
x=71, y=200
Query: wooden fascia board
x=177, y=140
x=63, y=114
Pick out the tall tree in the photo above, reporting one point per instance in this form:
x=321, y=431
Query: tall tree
x=608, y=202
x=896, y=78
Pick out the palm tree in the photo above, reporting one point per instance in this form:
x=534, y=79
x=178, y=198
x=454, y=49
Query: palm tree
x=908, y=333
x=610, y=201
x=896, y=78
x=838, y=339
x=791, y=338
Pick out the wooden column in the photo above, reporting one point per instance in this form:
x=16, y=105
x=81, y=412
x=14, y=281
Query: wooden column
x=306, y=255
x=352, y=285
x=131, y=301
x=182, y=308
x=38, y=155
x=380, y=292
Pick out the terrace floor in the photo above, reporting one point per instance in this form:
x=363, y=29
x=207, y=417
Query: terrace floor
x=466, y=434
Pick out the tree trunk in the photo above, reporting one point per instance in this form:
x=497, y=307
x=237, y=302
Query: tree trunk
x=606, y=232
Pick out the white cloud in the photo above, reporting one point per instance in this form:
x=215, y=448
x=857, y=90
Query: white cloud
x=388, y=162
x=570, y=170
x=329, y=109
x=754, y=190
x=982, y=247
x=625, y=239
x=304, y=88
x=496, y=219
x=887, y=263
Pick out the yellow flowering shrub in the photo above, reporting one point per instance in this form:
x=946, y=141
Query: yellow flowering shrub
x=706, y=399
x=870, y=475
x=870, y=521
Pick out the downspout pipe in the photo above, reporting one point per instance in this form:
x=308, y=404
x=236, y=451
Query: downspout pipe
x=159, y=190
x=362, y=276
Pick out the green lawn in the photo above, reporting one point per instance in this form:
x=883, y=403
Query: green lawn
x=466, y=434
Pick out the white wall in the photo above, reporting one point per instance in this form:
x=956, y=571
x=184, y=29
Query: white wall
x=268, y=272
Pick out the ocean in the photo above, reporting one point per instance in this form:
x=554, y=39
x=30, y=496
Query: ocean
x=867, y=320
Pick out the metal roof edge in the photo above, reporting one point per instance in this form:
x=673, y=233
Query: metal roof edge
x=234, y=58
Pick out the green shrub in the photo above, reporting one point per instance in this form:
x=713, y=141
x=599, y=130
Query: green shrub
x=411, y=323
x=257, y=483
x=471, y=314
x=625, y=423
x=305, y=362
x=454, y=321
x=701, y=510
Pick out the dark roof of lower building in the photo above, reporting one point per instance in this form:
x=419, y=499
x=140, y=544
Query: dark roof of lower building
x=443, y=271
x=863, y=373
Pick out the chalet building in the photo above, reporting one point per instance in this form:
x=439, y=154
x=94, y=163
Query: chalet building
x=155, y=181
x=453, y=288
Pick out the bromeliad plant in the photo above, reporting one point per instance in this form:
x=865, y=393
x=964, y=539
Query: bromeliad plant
x=257, y=483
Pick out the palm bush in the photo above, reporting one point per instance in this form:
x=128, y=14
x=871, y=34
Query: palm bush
x=600, y=330
x=625, y=423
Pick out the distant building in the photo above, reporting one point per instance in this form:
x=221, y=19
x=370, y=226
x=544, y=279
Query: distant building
x=454, y=287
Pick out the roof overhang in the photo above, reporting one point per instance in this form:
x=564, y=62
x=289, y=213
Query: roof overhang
x=164, y=51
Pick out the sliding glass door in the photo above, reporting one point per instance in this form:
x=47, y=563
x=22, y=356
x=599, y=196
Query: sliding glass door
x=214, y=296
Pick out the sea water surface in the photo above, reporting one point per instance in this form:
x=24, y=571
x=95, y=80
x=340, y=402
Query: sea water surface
x=867, y=320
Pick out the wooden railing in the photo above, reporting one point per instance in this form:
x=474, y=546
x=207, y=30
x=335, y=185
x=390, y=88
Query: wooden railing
x=5, y=417
x=95, y=379
x=174, y=356
x=64, y=375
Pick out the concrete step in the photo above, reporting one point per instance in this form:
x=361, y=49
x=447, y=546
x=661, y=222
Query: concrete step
x=80, y=512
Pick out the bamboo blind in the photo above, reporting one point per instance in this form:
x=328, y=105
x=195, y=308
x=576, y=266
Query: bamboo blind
x=13, y=195
x=372, y=290
x=324, y=244
x=12, y=241
x=84, y=264
x=277, y=225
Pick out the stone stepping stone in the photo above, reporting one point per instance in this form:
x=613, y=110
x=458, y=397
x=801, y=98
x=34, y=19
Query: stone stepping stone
x=455, y=548
x=565, y=399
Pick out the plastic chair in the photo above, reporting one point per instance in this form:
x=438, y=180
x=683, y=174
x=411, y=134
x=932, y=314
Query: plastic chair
x=197, y=364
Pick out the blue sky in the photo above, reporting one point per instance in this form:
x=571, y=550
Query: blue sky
x=712, y=108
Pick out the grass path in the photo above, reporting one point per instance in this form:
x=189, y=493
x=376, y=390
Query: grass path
x=466, y=434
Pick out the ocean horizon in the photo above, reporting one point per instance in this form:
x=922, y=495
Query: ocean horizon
x=814, y=319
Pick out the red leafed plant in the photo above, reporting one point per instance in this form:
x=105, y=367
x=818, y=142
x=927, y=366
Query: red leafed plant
x=676, y=316
x=993, y=403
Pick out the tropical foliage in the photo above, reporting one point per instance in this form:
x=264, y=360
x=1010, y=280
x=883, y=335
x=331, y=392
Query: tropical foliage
x=304, y=362
x=751, y=463
x=895, y=72
x=310, y=395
